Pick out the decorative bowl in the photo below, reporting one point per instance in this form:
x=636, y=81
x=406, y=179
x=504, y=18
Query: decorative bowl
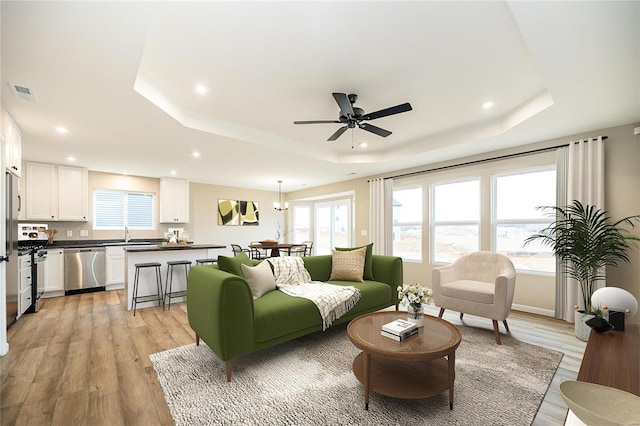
x=600, y=405
x=268, y=243
x=600, y=325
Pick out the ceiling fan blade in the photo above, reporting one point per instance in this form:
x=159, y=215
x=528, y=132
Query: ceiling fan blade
x=388, y=111
x=343, y=102
x=316, y=122
x=338, y=133
x=374, y=129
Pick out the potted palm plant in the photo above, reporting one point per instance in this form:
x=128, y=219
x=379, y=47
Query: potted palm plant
x=585, y=241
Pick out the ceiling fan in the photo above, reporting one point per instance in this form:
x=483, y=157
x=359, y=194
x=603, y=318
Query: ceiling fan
x=352, y=116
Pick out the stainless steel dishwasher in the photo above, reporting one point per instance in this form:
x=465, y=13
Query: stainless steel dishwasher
x=84, y=268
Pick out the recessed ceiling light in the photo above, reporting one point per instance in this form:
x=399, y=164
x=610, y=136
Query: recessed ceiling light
x=201, y=89
x=71, y=158
x=487, y=105
x=363, y=144
x=173, y=172
x=196, y=154
x=61, y=129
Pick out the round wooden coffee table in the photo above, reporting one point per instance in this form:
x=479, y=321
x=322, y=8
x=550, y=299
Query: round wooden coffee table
x=421, y=366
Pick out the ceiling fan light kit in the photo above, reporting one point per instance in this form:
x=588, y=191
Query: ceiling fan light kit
x=352, y=116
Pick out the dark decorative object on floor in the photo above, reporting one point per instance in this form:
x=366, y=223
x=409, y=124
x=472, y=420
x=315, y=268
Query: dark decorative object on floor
x=600, y=325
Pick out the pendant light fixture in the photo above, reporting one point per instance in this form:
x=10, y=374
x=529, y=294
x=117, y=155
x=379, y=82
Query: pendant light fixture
x=278, y=204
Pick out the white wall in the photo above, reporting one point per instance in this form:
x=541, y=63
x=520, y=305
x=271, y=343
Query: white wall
x=4, y=346
x=204, y=226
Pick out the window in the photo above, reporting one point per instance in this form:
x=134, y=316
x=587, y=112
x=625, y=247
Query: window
x=407, y=223
x=455, y=219
x=333, y=222
x=301, y=224
x=515, y=217
x=117, y=209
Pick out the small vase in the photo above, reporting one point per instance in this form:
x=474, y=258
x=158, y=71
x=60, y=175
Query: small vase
x=581, y=328
x=415, y=315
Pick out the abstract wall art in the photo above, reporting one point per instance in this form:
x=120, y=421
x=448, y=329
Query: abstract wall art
x=228, y=212
x=249, y=214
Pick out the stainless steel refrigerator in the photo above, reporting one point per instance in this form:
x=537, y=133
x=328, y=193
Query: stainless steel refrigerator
x=13, y=206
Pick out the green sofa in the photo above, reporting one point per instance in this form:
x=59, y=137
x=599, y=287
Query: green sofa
x=223, y=313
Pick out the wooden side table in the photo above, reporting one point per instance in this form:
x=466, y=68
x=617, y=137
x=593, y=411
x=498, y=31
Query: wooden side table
x=613, y=359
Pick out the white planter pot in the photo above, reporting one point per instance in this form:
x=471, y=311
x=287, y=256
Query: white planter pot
x=581, y=328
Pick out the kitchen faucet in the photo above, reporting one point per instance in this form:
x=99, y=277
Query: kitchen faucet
x=127, y=236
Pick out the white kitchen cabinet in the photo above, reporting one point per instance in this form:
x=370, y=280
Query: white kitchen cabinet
x=56, y=192
x=174, y=200
x=25, y=300
x=13, y=145
x=73, y=193
x=115, y=266
x=54, y=271
x=25, y=282
x=41, y=196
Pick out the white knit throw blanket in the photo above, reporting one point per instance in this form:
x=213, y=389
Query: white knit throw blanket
x=289, y=270
x=332, y=301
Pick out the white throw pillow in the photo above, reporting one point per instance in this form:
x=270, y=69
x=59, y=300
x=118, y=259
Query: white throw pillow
x=260, y=278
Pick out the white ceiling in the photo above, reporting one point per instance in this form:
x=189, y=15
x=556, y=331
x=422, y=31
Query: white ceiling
x=121, y=77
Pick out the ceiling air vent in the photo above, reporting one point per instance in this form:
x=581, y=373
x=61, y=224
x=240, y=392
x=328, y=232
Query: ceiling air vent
x=23, y=92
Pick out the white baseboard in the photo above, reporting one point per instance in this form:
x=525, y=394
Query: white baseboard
x=50, y=294
x=114, y=287
x=533, y=310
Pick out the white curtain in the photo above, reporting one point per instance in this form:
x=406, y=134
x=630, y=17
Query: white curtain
x=581, y=166
x=381, y=215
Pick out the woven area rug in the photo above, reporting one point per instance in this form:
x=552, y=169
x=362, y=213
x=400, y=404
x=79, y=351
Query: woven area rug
x=310, y=382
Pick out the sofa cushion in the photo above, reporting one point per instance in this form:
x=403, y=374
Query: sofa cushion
x=368, y=260
x=475, y=291
x=372, y=295
x=232, y=264
x=260, y=278
x=348, y=265
x=277, y=314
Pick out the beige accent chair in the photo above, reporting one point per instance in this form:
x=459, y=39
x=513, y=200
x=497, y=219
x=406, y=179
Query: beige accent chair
x=479, y=283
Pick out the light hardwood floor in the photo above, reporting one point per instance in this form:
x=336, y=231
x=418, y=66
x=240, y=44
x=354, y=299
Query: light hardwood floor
x=84, y=360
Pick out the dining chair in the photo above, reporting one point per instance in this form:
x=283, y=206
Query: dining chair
x=298, y=250
x=257, y=253
x=237, y=250
x=309, y=246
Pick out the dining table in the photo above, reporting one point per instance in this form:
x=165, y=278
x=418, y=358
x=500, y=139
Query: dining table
x=274, y=247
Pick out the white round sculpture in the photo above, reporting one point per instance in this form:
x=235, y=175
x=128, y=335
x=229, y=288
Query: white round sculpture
x=615, y=299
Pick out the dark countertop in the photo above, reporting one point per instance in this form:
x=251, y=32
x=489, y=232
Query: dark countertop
x=103, y=243
x=156, y=247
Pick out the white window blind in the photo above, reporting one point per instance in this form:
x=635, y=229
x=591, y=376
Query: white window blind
x=117, y=209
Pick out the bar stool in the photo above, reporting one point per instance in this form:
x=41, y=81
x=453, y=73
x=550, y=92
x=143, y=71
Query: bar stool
x=151, y=297
x=205, y=261
x=168, y=293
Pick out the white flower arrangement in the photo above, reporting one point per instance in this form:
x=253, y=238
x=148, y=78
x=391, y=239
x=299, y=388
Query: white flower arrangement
x=414, y=295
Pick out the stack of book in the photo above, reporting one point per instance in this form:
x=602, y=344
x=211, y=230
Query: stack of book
x=399, y=330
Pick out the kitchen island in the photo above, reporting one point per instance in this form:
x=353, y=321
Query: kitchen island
x=162, y=254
